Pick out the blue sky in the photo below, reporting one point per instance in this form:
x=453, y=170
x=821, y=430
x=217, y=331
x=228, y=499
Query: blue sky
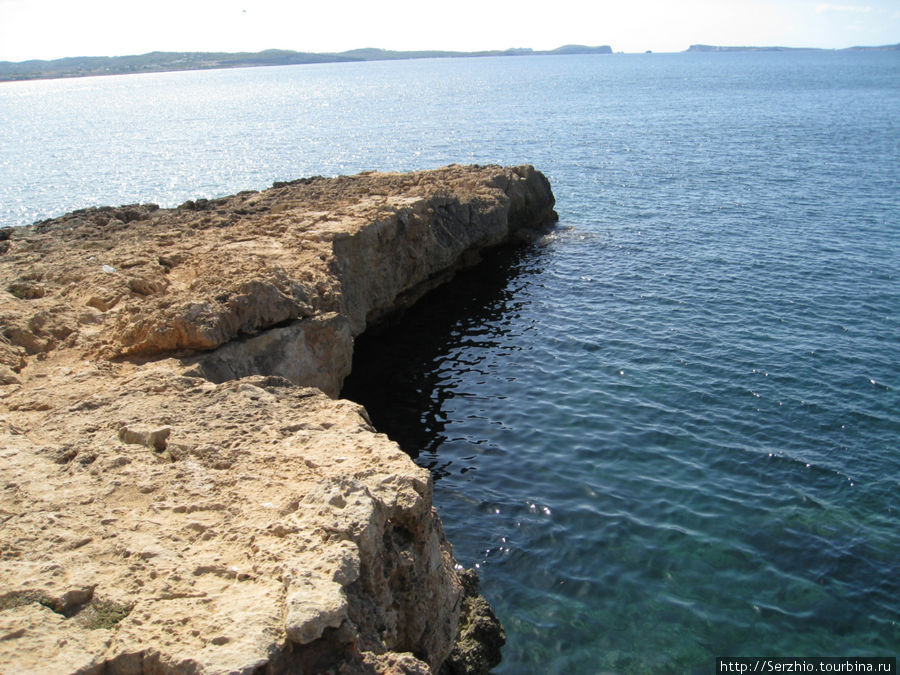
x=56, y=28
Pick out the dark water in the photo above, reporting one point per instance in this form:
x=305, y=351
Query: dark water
x=669, y=434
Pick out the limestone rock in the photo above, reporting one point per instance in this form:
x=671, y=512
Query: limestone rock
x=316, y=352
x=260, y=514
x=181, y=489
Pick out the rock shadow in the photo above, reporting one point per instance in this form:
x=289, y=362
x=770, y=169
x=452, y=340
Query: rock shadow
x=400, y=365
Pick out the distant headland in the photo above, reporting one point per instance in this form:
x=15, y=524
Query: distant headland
x=154, y=62
x=157, y=62
x=717, y=48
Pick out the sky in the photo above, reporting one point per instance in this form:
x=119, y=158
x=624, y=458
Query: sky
x=48, y=29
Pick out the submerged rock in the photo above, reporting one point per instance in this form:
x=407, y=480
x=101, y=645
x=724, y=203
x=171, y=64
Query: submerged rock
x=182, y=491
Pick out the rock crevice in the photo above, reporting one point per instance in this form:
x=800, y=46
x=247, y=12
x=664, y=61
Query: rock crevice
x=174, y=456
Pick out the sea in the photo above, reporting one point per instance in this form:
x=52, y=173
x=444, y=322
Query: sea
x=668, y=432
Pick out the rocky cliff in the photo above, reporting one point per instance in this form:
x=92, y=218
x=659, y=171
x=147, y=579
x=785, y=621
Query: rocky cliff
x=181, y=490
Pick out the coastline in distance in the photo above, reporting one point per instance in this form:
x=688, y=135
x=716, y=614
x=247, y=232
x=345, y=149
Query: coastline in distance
x=718, y=48
x=154, y=62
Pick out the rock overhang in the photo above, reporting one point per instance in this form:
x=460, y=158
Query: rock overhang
x=170, y=454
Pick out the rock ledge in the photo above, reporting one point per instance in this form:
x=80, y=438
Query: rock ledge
x=181, y=489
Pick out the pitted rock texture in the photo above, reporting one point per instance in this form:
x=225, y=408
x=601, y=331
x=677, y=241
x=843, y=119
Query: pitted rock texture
x=180, y=490
x=142, y=281
x=222, y=520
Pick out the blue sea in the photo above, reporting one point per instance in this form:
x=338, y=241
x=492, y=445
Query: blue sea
x=668, y=433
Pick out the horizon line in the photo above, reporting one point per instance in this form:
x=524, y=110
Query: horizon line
x=495, y=51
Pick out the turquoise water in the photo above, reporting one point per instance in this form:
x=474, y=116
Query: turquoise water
x=669, y=434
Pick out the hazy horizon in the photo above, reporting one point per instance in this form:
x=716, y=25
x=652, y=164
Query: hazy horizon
x=51, y=29
x=491, y=49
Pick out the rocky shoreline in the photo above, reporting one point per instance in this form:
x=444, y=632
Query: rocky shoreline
x=182, y=490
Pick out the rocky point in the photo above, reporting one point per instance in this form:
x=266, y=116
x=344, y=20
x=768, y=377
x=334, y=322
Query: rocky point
x=181, y=489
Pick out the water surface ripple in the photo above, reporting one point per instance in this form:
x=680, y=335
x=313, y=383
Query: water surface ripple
x=670, y=433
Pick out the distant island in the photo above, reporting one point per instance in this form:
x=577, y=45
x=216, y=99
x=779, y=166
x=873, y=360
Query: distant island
x=716, y=48
x=155, y=62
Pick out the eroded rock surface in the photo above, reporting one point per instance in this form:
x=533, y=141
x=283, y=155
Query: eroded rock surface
x=180, y=490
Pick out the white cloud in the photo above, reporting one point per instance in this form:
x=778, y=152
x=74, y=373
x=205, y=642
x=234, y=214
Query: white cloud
x=857, y=9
